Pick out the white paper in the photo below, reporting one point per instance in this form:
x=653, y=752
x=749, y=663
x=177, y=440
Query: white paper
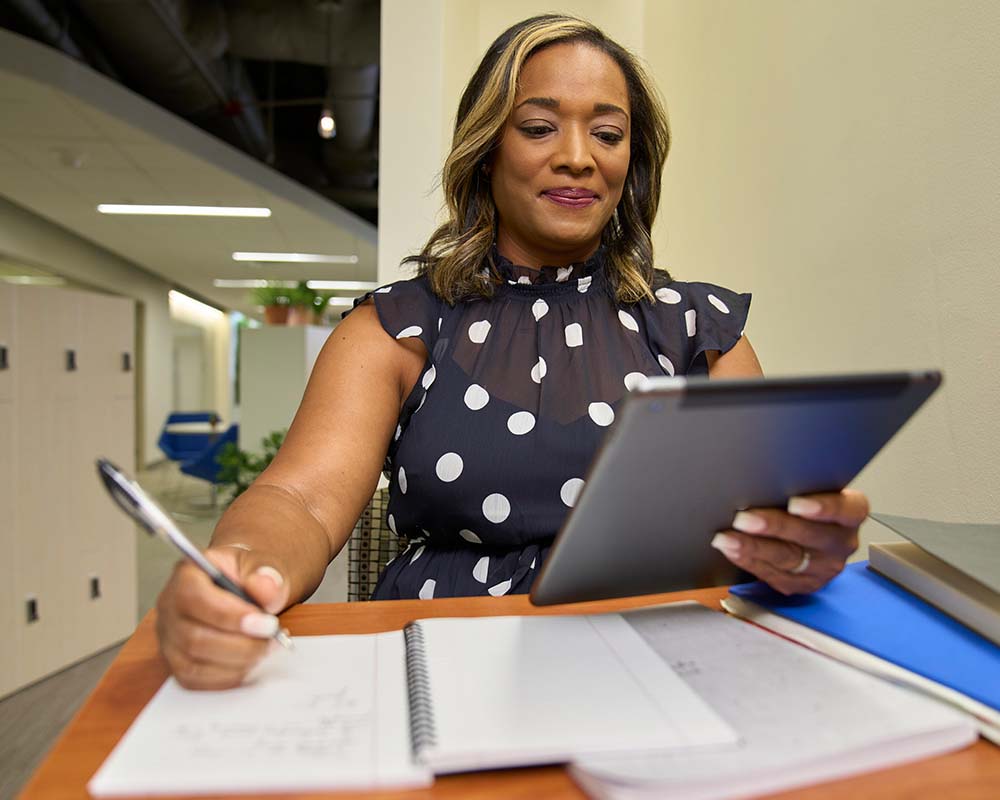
x=332, y=714
x=802, y=717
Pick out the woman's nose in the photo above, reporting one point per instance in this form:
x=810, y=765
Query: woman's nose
x=573, y=150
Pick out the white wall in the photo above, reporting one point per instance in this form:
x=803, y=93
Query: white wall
x=842, y=161
x=201, y=358
x=25, y=236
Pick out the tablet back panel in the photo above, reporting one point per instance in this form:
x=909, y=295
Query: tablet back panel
x=684, y=455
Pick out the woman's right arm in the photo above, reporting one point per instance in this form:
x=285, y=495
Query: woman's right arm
x=278, y=537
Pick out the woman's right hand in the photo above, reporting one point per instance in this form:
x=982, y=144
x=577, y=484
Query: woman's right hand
x=210, y=638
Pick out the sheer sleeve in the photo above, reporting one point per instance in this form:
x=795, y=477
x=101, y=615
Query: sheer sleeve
x=407, y=308
x=689, y=319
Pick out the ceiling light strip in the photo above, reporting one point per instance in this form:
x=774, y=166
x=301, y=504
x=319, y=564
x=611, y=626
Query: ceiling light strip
x=183, y=211
x=296, y=258
x=255, y=283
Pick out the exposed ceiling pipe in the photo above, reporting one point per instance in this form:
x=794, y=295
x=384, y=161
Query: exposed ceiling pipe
x=239, y=102
x=296, y=30
x=47, y=26
x=171, y=51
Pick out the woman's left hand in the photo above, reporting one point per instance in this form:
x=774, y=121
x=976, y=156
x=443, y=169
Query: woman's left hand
x=799, y=550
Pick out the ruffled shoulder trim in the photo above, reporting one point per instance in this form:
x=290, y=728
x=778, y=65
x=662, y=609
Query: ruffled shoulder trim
x=688, y=319
x=407, y=308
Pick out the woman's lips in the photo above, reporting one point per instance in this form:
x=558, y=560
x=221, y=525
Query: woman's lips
x=571, y=198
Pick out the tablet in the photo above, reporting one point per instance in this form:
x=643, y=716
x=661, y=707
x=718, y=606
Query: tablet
x=685, y=454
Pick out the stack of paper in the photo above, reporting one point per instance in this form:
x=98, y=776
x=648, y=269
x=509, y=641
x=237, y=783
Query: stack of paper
x=802, y=718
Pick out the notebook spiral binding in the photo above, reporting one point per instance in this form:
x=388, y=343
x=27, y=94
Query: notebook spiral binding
x=422, y=731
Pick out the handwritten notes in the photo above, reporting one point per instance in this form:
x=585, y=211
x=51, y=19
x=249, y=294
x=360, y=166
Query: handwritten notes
x=309, y=720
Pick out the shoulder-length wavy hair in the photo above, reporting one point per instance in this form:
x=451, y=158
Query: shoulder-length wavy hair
x=457, y=252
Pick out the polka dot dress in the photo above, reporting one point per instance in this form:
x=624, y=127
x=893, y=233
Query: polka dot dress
x=493, y=443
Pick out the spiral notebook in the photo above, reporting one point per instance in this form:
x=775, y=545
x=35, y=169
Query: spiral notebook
x=393, y=709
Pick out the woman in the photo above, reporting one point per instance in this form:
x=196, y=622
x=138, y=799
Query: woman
x=491, y=377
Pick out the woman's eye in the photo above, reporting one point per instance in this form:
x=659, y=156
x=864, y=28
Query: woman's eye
x=536, y=130
x=609, y=137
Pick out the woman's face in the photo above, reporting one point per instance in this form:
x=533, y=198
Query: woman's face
x=559, y=171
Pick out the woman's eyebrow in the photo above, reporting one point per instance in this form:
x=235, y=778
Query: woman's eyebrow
x=551, y=102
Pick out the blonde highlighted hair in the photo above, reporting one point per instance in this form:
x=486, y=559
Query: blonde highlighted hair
x=457, y=252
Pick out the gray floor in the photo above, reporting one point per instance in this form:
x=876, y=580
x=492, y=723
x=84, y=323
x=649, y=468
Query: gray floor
x=31, y=719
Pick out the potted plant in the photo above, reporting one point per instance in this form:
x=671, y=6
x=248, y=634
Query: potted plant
x=302, y=301
x=275, y=300
x=238, y=468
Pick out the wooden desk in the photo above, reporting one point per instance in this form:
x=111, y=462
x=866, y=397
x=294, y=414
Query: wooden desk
x=137, y=673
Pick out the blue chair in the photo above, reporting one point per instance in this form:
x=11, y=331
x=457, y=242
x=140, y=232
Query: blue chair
x=205, y=464
x=184, y=446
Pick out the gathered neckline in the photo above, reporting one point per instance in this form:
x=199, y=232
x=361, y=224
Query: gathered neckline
x=550, y=277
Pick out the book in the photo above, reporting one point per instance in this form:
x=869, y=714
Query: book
x=801, y=717
x=390, y=710
x=940, y=584
x=971, y=548
x=861, y=612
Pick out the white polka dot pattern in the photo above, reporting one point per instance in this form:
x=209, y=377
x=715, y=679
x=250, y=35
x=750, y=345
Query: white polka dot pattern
x=399, y=432
x=427, y=590
x=715, y=301
x=665, y=295
x=402, y=480
x=418, y=552
x=574, y=335
x=476, y=397
x=469, y=536
x=496, y=508
x=521, y=422
x=539, y=309
x=384, y=290
x=584, y=283
x=482, y=569
x=391, y=521
x=666, y=363
x=478, y=331
x=524, y=279
x=628, y=321
x=601, y=413
x=501, y=588
x=563, y=273
x=634, y=379
x=538, y=371
x=570, y=491
x=691, y=321
x=413, y=330
x=429, y=377
x=449, y=467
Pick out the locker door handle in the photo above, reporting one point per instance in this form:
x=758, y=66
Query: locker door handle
x=126, y=362
x=3, y=357
x=71, y=360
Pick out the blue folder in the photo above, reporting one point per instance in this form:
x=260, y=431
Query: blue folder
x=864, y=609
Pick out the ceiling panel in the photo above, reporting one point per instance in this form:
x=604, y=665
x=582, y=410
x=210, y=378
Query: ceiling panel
x=70, y=139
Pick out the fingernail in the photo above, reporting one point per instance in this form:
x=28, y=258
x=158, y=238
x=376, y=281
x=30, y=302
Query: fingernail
x=804, y=506
x=727, y=544
x=749, y=523
x=261, y=626
x=271, y=573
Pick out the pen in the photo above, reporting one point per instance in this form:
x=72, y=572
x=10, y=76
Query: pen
x=141, y=507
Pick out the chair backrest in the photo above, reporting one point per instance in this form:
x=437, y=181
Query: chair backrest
x=205, y=463
x=371, y=547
